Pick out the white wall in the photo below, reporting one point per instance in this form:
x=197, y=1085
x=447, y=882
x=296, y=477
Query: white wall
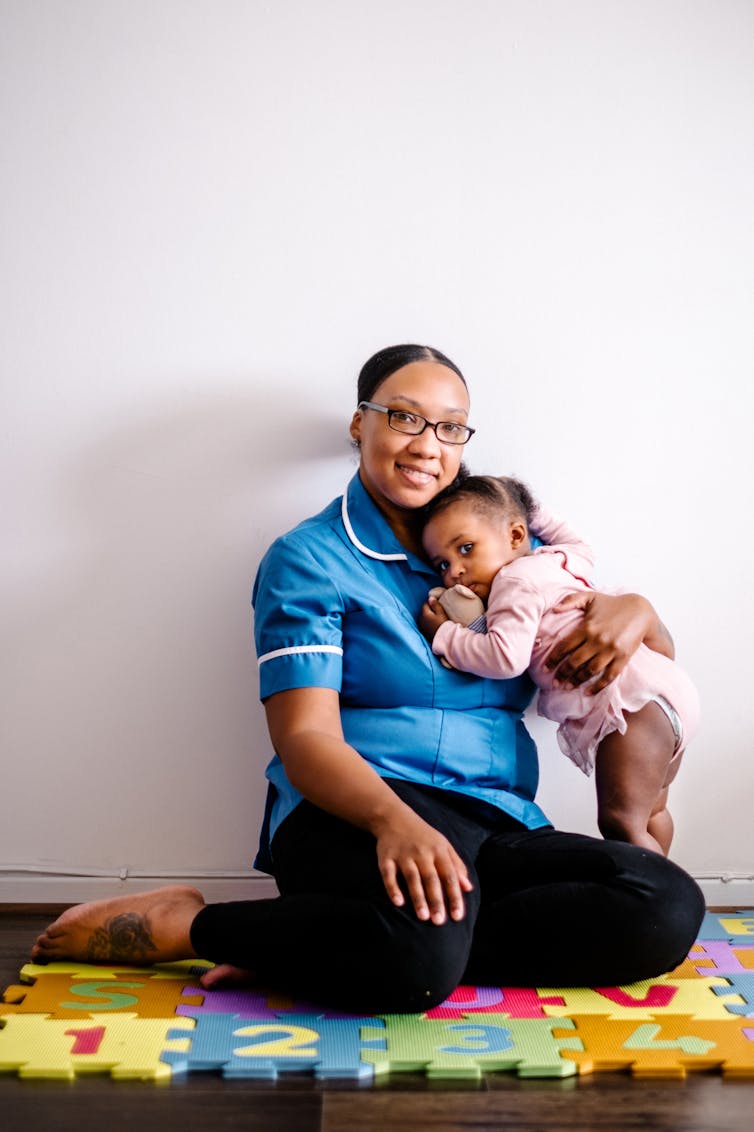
x=213, y=213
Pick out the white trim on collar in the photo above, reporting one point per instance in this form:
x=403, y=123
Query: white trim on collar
x=360, y=545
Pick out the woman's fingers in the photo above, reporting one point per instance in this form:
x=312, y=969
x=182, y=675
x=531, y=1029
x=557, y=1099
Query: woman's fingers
x=590, y=661
x=415, y=886
x=434, y=898
x=424, y=890
x=451, y=882
x=597, y=648
x=435, y=884
x=418, y=860
x=389, y=873
x=606, y=677
x=569, y=657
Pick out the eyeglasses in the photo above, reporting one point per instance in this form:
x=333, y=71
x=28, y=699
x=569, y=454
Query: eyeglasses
x=449, y=432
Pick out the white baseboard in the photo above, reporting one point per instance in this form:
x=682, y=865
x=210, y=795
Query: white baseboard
x=720, y=893
x=25, y=889
x=74, y=890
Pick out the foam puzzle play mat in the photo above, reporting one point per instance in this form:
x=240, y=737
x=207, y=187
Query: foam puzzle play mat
x=66, y=1020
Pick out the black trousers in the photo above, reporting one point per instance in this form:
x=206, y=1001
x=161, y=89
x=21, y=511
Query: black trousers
x=548, y=909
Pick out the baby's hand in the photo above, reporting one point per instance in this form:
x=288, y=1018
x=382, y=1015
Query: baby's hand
x=431, y=617
x=459, y=602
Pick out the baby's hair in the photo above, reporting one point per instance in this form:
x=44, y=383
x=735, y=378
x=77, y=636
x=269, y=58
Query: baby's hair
x=494, y=496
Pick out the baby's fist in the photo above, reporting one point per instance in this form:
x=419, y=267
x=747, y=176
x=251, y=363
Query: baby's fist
x=459, y=602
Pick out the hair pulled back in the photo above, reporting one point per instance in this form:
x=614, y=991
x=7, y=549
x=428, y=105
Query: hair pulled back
x=386, y=362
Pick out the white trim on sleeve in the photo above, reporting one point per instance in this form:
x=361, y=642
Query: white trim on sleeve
x=336, y=649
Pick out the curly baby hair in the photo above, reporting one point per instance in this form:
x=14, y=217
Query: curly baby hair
x=495, y=496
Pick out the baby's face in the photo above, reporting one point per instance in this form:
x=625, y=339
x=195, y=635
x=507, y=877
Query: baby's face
x=467, y=546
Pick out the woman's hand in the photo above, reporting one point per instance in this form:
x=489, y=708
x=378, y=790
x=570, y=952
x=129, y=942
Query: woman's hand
x=434, y=874
x=599, y=646
x=306, y=731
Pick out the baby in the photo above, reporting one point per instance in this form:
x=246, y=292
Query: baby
x=631, y=733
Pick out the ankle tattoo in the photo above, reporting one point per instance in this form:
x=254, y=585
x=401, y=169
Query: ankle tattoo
x=123, y=938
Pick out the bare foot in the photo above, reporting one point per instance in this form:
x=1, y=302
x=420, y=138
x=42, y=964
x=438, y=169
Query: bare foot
x=225, y=975
x=139, y=929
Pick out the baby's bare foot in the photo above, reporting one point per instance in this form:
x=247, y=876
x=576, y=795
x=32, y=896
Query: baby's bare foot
x=147, y=927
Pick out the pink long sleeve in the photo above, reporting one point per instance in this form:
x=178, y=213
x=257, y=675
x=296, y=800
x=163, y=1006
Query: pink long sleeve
x=551, y=528
x=513, y=615
x=555, y=532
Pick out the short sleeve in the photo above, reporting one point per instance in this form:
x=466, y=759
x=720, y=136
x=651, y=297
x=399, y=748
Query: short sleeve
x=298, y=620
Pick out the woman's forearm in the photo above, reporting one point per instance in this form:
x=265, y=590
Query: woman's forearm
x=306, y=732
x=335, y=777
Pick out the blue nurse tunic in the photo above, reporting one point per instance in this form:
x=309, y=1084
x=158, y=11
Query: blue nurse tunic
x=336, y=602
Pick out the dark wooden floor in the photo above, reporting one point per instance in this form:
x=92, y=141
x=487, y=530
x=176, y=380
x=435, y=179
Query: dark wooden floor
x=608, y=1102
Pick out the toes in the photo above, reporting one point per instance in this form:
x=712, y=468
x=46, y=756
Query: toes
x=225, y=975
x=214, y=977
x=211, y=979
x=45, y=948
x=54, y=931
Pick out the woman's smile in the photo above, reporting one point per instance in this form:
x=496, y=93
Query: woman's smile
x=416, y=475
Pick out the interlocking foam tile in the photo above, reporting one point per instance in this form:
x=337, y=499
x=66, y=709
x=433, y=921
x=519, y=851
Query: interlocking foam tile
x=515, y=1002
x=249, y=1003
x=181, y=970
x=741, y=986
x=663, y=995
x=240, y=1047
x=735, y=927
x=62, y=996
x=70, y=1019
x=665, y=1047
x=716, y=957
x=465, y=1047
x=121, y=1045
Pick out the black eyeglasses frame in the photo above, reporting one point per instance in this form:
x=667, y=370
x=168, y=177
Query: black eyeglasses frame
x=434, y=425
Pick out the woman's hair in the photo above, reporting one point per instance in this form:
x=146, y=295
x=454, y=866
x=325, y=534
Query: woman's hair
x=498, y=497
x=385, y=363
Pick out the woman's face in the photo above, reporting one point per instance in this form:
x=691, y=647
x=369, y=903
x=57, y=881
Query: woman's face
x=403, y=472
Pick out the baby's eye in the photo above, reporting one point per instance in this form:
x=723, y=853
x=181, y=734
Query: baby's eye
x=442, y=566
x=466, y=548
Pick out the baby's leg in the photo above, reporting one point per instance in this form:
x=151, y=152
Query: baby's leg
x=660, y=824
x=631, y=775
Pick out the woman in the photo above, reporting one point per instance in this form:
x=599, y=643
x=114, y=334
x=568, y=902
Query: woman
x=401, y=827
